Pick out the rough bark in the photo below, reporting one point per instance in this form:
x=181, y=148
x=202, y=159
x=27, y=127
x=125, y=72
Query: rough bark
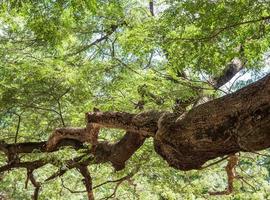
x=87, y=181
x=116, y=153
x=121, y=151
x=145, y=123
x=236, y=122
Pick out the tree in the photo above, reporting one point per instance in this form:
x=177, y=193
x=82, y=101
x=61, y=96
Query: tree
x=171, y=70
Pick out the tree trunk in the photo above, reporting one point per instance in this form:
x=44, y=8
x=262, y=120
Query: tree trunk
x=233, y=123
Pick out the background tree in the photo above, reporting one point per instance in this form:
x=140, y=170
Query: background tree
x=61, y=59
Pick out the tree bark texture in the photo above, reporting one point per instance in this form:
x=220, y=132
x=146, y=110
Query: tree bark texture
x=236, y=122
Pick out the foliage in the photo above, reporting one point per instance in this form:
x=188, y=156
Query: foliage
x=60, y=59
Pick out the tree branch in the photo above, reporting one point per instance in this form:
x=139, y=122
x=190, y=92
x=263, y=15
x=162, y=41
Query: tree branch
x=231, y=174
x=117, y=153
x=235, y=122
x=228, y=73
x=215, y=33
x=34, y=182
x=118, y=183
x=87, y=181
x=102, y=38
x=145, y=123
x=151, y=7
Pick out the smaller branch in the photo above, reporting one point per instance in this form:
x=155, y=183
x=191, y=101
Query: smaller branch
x=151, y=7
x=87, y=181
x=215, y=33
x=108, y=33
x=229, y=72
x=246, y=182
x=60, y=107
x=86, y=47
x=260, y=154
x=115, y=181
x=117, y=153
x=185, y=81
x=29, y=165
x=149, y=61
x=235, y=80
x=74, y=133
x=36, y=184
x=70, y=164
x=126, y=65
x=18, y=128
x=99, y=185
x=29, y=147
x=112, y=47
x=118, y=183
x=231, y=174
x=114, y=192
x=41, y=108
x=26, y=182
x=70, y=190
x=249, y=176
x=239, y=24
x=60, y=114
x=59, y=173
x=214, y=163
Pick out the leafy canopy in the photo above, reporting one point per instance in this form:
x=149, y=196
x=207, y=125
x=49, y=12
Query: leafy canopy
x=60, y=59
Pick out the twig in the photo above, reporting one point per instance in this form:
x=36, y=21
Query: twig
x=71, y=191
x=218, y=31
x=18, y=128
x=214, y=163
x=151, y=7
x=114, y=181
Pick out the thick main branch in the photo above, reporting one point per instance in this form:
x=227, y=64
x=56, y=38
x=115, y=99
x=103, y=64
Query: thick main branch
x=236, y=122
